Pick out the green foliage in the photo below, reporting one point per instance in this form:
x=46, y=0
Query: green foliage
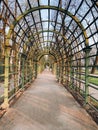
x=92, y=80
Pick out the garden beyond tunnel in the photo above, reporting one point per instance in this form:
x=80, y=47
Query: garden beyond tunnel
x=49, y=36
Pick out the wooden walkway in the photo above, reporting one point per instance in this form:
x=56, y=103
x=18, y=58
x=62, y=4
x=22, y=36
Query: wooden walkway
x=46, y=105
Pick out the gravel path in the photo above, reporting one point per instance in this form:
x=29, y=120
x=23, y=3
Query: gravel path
x=46, y=105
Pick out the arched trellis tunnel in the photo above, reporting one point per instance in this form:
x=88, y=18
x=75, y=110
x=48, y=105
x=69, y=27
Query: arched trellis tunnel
x=61, y=34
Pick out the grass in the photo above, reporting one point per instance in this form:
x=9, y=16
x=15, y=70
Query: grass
x=92, y=80
x=96, y=72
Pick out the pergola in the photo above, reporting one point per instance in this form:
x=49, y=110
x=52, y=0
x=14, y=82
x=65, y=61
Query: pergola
x=58, y=33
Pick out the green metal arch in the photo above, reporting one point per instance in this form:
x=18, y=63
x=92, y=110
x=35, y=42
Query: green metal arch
x=47, y=7
x=50, y=42
x=39, y=57
x=50, y=52
x=45, y=52
x=50, y=31
x=47, y=31
x=47, y=21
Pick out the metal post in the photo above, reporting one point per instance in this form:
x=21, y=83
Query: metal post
x=65, y=82
x=71, y=73
x=31, y=71
x=31, y=64
x=55, y=66
x=62, y=71
x=23, y=72
x=26, y=72
x=57, y=72
x=16, y=75
x=6, y=80
x=35, y=69
x=87, y=51
x=64, y=74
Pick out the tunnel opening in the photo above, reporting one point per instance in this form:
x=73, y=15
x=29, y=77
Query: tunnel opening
x=59, y=35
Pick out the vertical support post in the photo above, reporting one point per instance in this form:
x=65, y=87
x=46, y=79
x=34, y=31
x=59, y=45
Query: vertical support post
x=31, y=68
x=26, y=72
x=54, y=71
x=65, y=82
x=16, y=71
x=62, y=71
x=23, y=72
x=39, y=68
x=79, y=76
x=71, y=73
x=31, y=73
x=6, y=80
x=87, y=51
x=57, y=72
x=67, y=73
x=64, y=74
x=35, y=69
